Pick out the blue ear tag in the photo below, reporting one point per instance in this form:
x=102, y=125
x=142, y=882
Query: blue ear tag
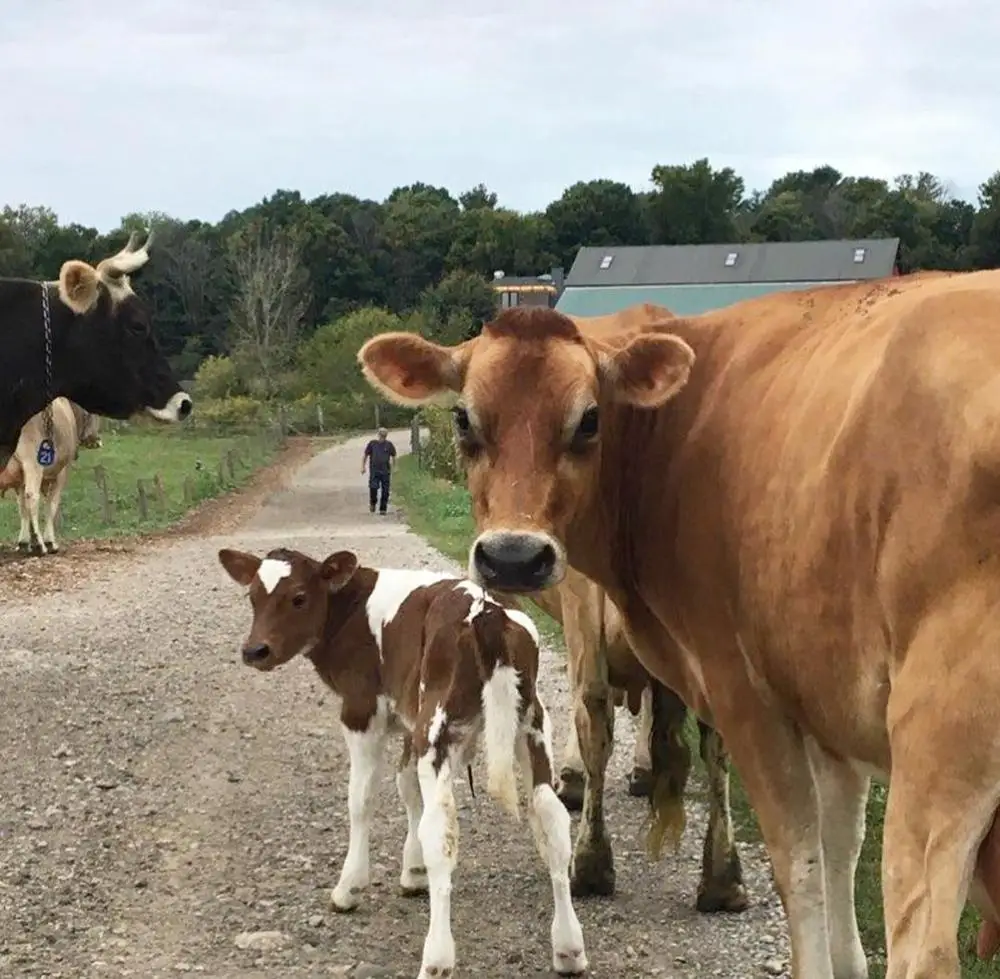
x=46, y=453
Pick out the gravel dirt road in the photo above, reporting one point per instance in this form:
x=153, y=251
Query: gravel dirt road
x=165, y=810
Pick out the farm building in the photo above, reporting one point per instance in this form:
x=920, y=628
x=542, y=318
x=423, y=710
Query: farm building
x=528, y=290
x=692, y=279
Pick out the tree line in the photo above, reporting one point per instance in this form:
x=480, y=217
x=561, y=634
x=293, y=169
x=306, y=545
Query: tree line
x=257, y=285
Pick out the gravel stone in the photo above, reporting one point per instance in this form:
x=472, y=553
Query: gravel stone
x=161, y=802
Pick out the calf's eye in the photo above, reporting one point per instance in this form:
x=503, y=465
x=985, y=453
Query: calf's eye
x=586, y=430
x=298, y=601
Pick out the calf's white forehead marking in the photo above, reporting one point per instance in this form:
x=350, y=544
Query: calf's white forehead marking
x=393, y=587
x=271, y=572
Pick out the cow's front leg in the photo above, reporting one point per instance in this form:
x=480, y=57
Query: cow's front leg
x=721, y=887
x=593, y=860
x=413, y=877
x=365, y=749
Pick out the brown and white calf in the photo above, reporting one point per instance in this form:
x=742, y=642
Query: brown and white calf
x=438, y=660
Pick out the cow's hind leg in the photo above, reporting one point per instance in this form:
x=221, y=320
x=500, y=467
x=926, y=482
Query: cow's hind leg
x=945, y=767
x=32, y=501
x=721, y=887
x=54, y=499
x=640, y=780
x=550, y=825
x=24, y=535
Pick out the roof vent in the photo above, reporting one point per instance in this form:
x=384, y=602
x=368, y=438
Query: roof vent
x=859, y=255
x=606, y=262
x=731, y=259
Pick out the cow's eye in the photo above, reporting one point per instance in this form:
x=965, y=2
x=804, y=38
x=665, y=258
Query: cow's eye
x=299, y=600
x=586, y=429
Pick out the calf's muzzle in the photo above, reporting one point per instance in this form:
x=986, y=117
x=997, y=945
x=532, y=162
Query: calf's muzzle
x=518, y=561
x=257, y=653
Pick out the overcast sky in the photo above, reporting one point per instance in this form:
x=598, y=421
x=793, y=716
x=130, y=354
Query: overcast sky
x=197, y=107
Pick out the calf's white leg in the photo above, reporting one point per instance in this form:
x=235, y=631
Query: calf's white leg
x=439, y=839
x=413, y=878
x=365, y=749
x=24, y=536
x=32, y=499
x=550, y=825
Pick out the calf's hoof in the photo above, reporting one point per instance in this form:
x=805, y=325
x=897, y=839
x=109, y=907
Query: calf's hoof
x=570, y=962
x=640, y=783
x=593, y=869
x=345, y=899
x=571, y=789
x=413, y=882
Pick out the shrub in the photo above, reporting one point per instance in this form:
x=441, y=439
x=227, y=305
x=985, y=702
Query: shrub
x=439, y=452
x=217, y=377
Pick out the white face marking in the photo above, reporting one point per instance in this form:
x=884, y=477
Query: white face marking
x=171, y=411
x=271, y=572
x=393, y=587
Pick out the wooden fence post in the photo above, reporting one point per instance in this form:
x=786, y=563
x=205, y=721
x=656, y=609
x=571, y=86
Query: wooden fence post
x=415, y=446
x=319, y=417
x=101, y=478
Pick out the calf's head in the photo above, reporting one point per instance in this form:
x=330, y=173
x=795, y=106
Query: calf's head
x=289, y=594
x=109, y=361
x=532, y=395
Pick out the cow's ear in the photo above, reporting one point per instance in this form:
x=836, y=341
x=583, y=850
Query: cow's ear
x=338, y=569
x=240, y=566
x=410, y=370
x=648, y=370
x=78, y=286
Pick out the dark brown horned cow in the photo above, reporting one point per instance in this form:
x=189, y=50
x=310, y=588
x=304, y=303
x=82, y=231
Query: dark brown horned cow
x=439, y=661
x=86, y=337
x=795, y=503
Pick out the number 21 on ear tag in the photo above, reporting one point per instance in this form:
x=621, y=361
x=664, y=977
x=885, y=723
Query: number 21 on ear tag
x=46, y=453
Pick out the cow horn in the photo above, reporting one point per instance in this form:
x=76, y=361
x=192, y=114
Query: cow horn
x=130, y=244
x=149, y=239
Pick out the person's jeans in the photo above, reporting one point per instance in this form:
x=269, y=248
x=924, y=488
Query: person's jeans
x=377, y=481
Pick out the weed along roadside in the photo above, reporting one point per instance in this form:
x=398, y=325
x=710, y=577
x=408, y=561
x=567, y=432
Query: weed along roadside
x=438, y=510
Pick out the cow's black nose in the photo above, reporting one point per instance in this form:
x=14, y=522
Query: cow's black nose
x=516, y=562
x=254, y=654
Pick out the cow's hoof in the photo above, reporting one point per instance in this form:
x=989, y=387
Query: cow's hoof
x=726, y=892
x=23, y=546
x=570, y=792
x=593, y=869
x=413, y=882
x=640, y=783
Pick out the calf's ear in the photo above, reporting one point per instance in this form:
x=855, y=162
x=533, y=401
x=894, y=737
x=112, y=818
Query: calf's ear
x=409, y=370
x=78, y=286
x=648, y=370
x=338, y=569
x=240, y=566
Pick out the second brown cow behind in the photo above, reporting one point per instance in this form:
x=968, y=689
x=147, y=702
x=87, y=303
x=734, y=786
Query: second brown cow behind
x=438, y=660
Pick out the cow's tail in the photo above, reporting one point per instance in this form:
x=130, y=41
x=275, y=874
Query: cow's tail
x=502, y=706
x=670, y=759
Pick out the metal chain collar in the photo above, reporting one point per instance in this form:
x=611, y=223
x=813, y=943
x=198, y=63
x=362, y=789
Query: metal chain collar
x=47, y=414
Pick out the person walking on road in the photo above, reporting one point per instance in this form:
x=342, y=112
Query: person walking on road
x=379, y=453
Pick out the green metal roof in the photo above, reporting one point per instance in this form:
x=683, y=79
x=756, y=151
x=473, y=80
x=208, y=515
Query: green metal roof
x=745, y=262
x=682, y=300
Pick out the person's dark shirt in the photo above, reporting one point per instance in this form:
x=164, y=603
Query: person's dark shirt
x=379, y=452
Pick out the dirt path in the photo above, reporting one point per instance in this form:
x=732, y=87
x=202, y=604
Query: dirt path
x=158, y=799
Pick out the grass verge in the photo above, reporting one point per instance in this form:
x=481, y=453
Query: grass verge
x=177, y=470
x=439, y=511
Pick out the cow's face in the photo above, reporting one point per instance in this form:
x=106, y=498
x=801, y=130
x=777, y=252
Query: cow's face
x=532, y=395
x=289, y=594
x=114, y=365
